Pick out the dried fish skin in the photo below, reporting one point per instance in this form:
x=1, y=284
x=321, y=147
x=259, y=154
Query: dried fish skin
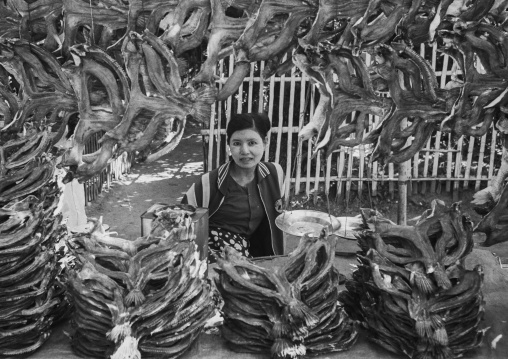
x=148, y=297
x=407, y=308
x=28, y=298
x=289, y=310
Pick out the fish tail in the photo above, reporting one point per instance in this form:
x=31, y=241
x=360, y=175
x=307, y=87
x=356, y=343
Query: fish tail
x=299, y=310
x=135, y=297
x=440, y=336
x=423, y=327
x=436, y=320
x=441, y=278
x=119, y=332
x=202, y=109
x=424, y=283
x=128, y=349
x=283, y=348
x=280, y=329
x=280, y=345
x=299, y=333
x=428, y=327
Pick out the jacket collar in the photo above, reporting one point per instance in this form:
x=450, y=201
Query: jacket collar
x=262, y=173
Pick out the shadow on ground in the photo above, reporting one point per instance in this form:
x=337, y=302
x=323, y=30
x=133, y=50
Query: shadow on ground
x=165, y=180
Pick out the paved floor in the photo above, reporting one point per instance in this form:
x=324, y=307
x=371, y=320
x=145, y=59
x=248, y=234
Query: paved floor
x=165, y=180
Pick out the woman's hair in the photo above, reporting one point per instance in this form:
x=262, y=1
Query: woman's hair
x=258, y=122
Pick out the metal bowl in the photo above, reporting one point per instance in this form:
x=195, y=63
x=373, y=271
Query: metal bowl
x=300, y=222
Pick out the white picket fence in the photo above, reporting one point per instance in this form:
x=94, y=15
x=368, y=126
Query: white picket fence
x=444, y=164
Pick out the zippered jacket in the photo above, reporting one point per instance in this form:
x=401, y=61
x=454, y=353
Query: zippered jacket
x=209, y=192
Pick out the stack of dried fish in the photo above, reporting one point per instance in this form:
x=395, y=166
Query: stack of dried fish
x=174, y=221
x=289, y=311
x=411, y=290
x=148, y=296
x=30, y=292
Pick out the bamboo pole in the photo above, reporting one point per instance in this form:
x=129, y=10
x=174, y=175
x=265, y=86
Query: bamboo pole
x=214, y=142
x=327, y=175
x=414, y=178
x=374, y=165
x=458, y=170
x=309, y=142
x=384, y=179
x=492, y=155
x=301, y=118
x=426, y=165
x=469, y=161
x=435, y=163
x=391, y=186
x=317, y=176
x=229, y=109
x=261, y=98
x=349, y=174
x=479, y=176
x=251, y=88
x=281, y=117
x=289, y=151
x=449, y=162
x=403, y=179
x=270, y=112
x=361, y=172
x=340, y=171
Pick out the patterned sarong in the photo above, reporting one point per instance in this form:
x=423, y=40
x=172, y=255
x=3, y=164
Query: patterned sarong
x=218, y=238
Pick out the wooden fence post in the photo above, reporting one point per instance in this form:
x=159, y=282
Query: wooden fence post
x=402, y=207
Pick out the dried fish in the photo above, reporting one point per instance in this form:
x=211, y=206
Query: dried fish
x=290, y=310
x=148, y=296
x=416, y=299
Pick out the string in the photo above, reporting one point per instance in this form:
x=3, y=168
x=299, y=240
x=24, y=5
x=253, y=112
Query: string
x=93, y=27
x=30, y=41
x=142, y=11
x=369, y=184
x=328, y=206
x=347, y=211
x=299, y=146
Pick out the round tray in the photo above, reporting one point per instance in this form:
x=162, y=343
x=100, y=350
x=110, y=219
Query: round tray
x=300, y=222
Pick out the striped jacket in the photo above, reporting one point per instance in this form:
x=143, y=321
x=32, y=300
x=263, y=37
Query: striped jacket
x=209, y=192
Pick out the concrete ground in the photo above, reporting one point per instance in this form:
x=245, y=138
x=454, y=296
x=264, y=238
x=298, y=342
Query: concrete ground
x=165, y=180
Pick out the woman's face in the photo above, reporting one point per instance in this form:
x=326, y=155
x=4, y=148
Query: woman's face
x=247, y=148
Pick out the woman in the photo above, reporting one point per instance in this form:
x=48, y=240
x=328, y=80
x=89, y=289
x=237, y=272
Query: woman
x=243, y=196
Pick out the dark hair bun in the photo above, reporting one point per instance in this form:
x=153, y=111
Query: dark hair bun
x=259, y=122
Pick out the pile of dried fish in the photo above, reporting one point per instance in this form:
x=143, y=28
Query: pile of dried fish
x=411, y=290
x=30, y=226
x=174, y=221
x=146, y=297
x=290, y=311
x=492, y=201
x=495, y=223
